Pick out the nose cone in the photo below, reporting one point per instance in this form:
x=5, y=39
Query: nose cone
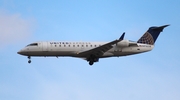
x=22, y=52
x=19, y=52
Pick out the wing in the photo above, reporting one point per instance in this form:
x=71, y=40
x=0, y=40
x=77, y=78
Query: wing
x=99, y=51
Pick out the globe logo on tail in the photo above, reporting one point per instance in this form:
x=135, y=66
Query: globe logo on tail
x=146, y=39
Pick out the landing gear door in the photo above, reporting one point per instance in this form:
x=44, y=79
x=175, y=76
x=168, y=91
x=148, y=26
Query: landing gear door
x=45, y=46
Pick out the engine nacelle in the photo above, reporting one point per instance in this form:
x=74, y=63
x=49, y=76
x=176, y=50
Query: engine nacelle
x=123, y=43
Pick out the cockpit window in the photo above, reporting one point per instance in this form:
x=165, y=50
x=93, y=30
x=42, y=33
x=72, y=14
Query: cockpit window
x=33, y=44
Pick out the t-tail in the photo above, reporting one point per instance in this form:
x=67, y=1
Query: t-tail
x=151, y=35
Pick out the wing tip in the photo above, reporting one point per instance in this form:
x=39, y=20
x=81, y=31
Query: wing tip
x=122, y=36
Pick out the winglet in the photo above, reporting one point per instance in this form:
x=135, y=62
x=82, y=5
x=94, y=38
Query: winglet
x=122, y=36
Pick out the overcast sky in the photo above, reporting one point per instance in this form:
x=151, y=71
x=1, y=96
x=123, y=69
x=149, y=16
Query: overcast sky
x=149, y=76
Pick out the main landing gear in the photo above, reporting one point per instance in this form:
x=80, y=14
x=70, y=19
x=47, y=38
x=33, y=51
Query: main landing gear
x=92, y=59
x=29, y=61
x=91, y=62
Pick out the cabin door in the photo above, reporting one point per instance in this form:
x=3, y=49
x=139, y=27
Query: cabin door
x=45, y=46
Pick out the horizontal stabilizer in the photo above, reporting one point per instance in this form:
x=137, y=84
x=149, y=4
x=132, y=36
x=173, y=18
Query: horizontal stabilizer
x=160, y=28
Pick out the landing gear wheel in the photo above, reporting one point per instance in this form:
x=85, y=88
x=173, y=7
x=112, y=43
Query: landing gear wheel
x=29, y=57
x=29, y=61
x=91, y=63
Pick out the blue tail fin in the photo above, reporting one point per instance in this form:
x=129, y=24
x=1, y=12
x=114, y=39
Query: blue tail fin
x=151, y=35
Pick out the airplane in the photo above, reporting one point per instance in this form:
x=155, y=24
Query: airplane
x=93, y=51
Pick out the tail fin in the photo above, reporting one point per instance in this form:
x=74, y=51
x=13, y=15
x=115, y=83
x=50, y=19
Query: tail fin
x=151, y=35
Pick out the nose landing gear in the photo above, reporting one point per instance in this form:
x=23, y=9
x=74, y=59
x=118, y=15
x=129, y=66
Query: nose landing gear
x=29, y=61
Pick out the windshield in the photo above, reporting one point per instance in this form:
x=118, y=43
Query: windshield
x=33, y=44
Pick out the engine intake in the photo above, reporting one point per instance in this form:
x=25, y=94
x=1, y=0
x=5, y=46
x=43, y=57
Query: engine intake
x=123, y=43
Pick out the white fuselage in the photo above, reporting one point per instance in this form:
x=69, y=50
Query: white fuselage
x=92, y=51
x=73, y=48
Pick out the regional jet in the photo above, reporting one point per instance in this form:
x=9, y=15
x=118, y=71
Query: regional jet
x=93, y=51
